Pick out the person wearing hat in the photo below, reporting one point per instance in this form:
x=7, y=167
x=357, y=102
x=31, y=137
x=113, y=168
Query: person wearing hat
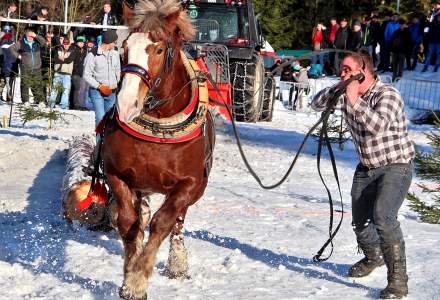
x=8, y=66
x=78, y=83
x=354, y=41
x=341, y=41
x=400, y=48
x=63, y=58
x=102, y=71
x=28, y=51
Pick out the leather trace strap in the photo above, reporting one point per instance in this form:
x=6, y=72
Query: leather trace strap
x=138, y=71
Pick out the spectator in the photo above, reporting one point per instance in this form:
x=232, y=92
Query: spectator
x=107, y=16
x=319, y=38
x=78, y=82
x=85, y=31
x=102, y=71
x=341, y=41
x=28, y=50
x=400, y=47
x=433, y=37
x=391, y=27
x=90, y=46
x=435, y=12
x=9, y=13
x=354, y=41
x=40, y=14
x=372, y=38
x=63, y=58
x=383, y=51
x=331, y=40
x=300, y=77
x=9, y=66
x=416, y=32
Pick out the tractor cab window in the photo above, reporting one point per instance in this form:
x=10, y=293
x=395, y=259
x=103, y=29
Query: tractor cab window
x=219, y=23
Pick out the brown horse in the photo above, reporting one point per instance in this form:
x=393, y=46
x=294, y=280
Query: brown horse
x=135, y=167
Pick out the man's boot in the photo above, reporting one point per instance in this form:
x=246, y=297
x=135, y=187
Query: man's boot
x=395, y=260
x=373, y=259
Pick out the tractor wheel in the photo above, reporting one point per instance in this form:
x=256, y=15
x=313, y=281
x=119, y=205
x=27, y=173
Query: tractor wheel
x=268, y=100
x=247, y=78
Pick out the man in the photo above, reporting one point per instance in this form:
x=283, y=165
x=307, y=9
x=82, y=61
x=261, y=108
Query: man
x=433, y=38
x=8, y=66
x=102, y=71
x=390, y=28
x=416, y=31
x=107, y=17
x=28, y=50
x=63, y=58
x=400, y=48
x=381, y=40
x=374, y=112
x=9, y=13
x=341, y=41
x=79, y=85
x=354, y=41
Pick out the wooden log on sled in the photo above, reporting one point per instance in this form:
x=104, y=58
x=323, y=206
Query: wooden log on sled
x=76, y=184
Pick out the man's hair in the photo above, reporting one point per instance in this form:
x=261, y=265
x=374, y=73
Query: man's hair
x=12, y=4
x=107, y=2
x=363, y=58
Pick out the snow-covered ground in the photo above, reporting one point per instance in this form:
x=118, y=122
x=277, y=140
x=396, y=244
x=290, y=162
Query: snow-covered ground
x=244, y=242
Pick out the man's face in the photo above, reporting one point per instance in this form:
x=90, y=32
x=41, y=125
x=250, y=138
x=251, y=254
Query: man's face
x=80, y=44
x=107, y=8
x=90, y=44
x=349, y=67
x=66, y=46
x=12, y=8
x=343, y=23
x=30, y=36
x=357, y=28
x=44, y=12
x=333, y=22
x=395, y=18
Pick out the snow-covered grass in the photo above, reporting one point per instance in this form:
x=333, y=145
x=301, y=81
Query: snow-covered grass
x=243, y=242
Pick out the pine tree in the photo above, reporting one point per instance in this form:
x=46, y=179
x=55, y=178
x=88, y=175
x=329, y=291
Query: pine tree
x=428, y=167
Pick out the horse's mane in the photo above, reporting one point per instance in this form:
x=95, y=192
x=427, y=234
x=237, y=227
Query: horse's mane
x=151, y=15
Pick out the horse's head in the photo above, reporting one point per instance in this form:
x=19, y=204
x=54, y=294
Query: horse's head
x=161, y=27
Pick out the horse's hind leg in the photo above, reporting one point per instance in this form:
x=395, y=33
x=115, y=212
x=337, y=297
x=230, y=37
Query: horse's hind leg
x=130, y=230
x=178, y=256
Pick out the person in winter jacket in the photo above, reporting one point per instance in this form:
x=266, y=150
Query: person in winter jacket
x=354, y=41
x=319, y=37
x=416, y=32
x=63, y=58
x=102, y=71
x=300, y=77
x=391, y=26
x=341, y=38
x=9, y=66
x=370, y=35
x=107, y=17
x=433, y=44
x=9, y=13
x=78, y=83
x=384, y=52
x=400, y=48
x=28, y=51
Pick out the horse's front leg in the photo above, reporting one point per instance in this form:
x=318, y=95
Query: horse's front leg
x=128, y=223
x=178, y=256
x=140, y=269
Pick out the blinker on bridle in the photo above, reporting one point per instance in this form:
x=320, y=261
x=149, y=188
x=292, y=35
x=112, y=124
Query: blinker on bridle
x=150, y=101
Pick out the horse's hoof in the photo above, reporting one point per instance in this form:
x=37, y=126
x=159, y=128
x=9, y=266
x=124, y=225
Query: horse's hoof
x=126, y=295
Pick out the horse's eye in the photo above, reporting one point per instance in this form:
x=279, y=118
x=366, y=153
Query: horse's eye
x=159, y=51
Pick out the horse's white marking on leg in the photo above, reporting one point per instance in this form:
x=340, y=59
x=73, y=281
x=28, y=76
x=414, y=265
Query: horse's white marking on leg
x=178, y=255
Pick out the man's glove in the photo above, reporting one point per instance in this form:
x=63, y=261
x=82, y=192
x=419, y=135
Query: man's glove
x=104, y=90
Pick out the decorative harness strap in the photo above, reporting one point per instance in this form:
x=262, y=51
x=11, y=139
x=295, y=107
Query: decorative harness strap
x=139, y=71
x=180, y=127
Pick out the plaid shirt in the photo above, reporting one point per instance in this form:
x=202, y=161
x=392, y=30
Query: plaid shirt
x=377, y=123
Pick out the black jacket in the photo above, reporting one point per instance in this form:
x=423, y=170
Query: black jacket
x=434, y=32
x=354, y=40
x=112, y=18
x=78, y=62
x=341, y=38
x=401, y=41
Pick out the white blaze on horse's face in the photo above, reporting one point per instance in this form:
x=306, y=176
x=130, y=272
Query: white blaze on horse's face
x=128, y=104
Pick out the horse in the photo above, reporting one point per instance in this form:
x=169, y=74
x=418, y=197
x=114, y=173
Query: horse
x=155, y=74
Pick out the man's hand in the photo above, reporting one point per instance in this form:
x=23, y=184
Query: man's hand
x=104, y=90
x=352, y=92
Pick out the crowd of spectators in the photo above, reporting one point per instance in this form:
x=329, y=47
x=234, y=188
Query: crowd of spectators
x=392, y=41
x=75, y=60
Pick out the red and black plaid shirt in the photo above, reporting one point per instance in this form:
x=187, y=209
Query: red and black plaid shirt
x=377, y=123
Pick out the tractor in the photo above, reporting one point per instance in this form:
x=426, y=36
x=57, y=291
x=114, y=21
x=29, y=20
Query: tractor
x=229, y=44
